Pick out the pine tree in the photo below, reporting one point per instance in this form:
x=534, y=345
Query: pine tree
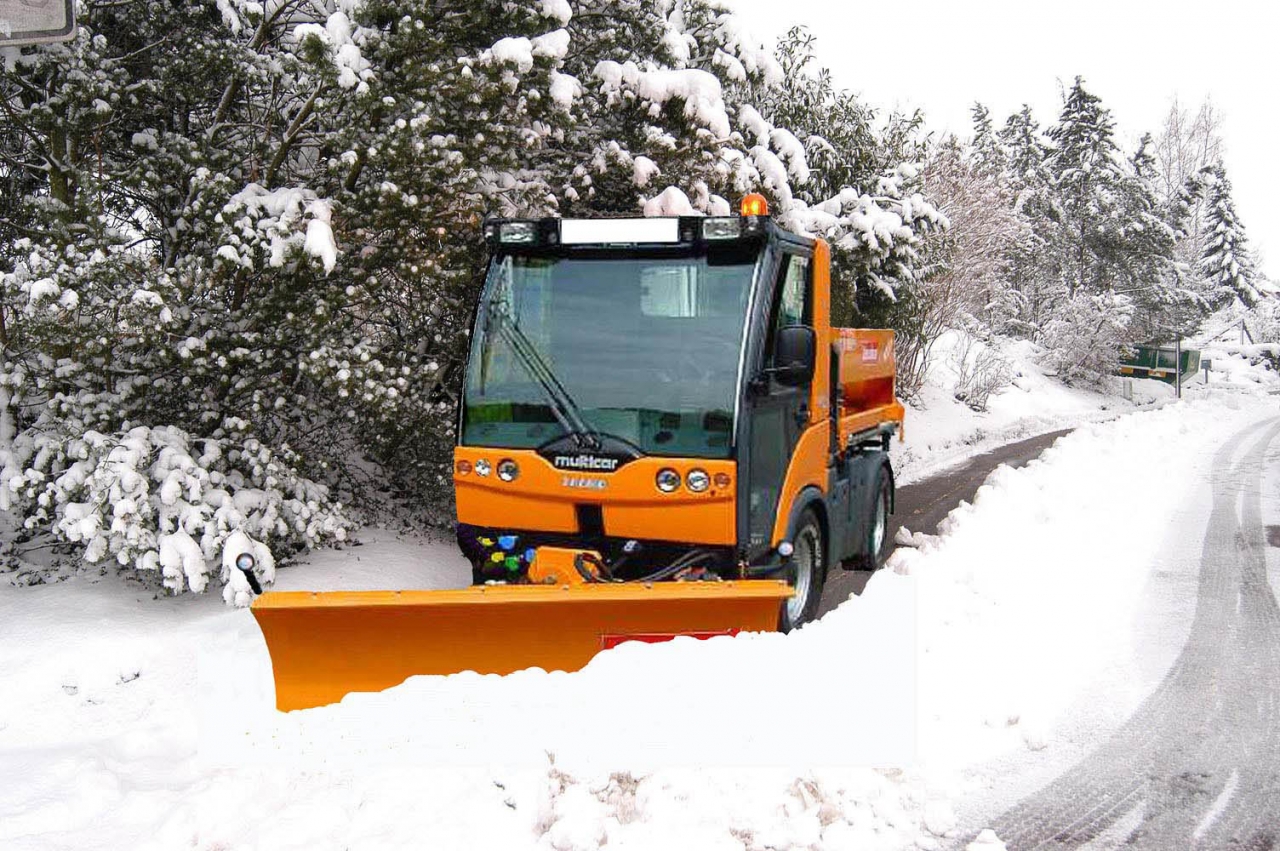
x=1027, y=152
x=989, y=157
x=1226, y=262
x=1163, y=303
x=1086, y=174
x=1035, y=288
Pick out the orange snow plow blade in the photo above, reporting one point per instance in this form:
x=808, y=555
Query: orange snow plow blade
x=326, y=645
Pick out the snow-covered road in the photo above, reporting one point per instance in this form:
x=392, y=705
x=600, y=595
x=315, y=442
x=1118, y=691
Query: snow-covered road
x=1198, y=765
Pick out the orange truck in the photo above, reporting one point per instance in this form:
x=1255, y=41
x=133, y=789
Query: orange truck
x=660, y=434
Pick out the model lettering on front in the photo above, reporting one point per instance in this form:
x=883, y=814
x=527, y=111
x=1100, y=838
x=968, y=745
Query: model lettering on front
x=586, y=462
x=584, y=482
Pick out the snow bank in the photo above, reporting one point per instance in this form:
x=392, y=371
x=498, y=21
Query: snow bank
x=1249, y=368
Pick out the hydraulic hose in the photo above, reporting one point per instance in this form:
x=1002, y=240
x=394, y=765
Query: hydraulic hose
x=687, y=560
x=580, y=564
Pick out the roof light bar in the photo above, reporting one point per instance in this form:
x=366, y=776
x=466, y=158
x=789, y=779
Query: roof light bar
x=619, y=231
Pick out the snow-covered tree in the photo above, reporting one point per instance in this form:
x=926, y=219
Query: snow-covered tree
x=1187, y=144
x=1226, y=263
x=832, y=173
x=1165, y=301
x=1034, y=285
x=1086, y=174
x=1110, y=232
x=967, y=265
x=990, y=160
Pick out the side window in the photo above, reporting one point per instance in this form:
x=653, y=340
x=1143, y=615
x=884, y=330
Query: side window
x=794, y=300
x=793, y=304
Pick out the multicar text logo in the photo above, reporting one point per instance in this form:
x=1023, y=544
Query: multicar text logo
x=586, y=462
x=584, y=482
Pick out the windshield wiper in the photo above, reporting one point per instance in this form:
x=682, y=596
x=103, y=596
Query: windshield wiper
x=498, y=318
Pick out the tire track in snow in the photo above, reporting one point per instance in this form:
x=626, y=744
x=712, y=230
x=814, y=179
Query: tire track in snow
x=1200, y=759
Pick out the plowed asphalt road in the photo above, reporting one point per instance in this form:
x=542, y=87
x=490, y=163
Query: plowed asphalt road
x=921, y=506
x=1198, y=764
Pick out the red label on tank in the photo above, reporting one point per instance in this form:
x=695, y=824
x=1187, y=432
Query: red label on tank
x=608, y=642
x=870, y=352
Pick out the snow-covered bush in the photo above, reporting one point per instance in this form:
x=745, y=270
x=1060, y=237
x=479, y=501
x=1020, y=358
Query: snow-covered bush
x=157, y=500
x=980, y=371
x=1263, y=321
x=1083, y=341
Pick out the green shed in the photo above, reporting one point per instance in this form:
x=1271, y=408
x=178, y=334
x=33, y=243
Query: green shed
x=1159, y=362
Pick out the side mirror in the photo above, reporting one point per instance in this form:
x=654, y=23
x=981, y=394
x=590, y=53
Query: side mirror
x=795, y=355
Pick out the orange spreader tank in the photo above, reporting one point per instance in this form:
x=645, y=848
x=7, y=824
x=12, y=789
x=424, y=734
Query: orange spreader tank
x=866, y=381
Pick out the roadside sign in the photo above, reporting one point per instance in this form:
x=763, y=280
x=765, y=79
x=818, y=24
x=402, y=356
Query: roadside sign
x=36, y=21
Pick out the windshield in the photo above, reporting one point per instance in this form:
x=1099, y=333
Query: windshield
x=644, y=349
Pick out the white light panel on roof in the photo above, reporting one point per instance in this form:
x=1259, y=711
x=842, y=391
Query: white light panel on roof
x=605, y=231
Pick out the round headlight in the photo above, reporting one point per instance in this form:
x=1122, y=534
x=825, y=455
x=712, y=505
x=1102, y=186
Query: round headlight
x=697, y=480
x=482, y=467
x=508, y=470
x=245, y=562
x=668, y=480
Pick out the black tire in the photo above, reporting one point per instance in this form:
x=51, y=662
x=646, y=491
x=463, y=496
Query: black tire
x=808, y=558
x=875, y=544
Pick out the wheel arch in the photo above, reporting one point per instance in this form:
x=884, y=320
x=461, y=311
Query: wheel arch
x=893, y=484
x=811, y=497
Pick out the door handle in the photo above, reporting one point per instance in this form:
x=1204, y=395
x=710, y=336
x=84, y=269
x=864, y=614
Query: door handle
x=802, y=415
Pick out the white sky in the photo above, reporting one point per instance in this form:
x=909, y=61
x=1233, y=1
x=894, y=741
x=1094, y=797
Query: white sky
x=942, y=55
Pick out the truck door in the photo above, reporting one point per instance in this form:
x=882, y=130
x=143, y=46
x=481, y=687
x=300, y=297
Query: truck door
x=779, y=414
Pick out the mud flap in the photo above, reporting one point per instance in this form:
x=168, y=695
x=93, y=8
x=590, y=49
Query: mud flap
x=326, y=645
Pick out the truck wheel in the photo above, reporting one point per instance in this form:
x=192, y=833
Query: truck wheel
x=877, y=529
x=805, y=573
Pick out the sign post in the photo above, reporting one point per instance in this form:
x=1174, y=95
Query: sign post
x=24, y=22
x=1177, y=360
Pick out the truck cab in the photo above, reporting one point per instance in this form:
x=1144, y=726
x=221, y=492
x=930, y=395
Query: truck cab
x=669, y=396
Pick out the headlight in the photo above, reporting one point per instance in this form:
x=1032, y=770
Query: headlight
x=245, y=562
x=508, y=470
x=482, y=468
x=518, y=233
x=697, y=480
x=668, y=480
x=721, y=228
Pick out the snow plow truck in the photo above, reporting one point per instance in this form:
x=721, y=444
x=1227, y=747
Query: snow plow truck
x=660, y=434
